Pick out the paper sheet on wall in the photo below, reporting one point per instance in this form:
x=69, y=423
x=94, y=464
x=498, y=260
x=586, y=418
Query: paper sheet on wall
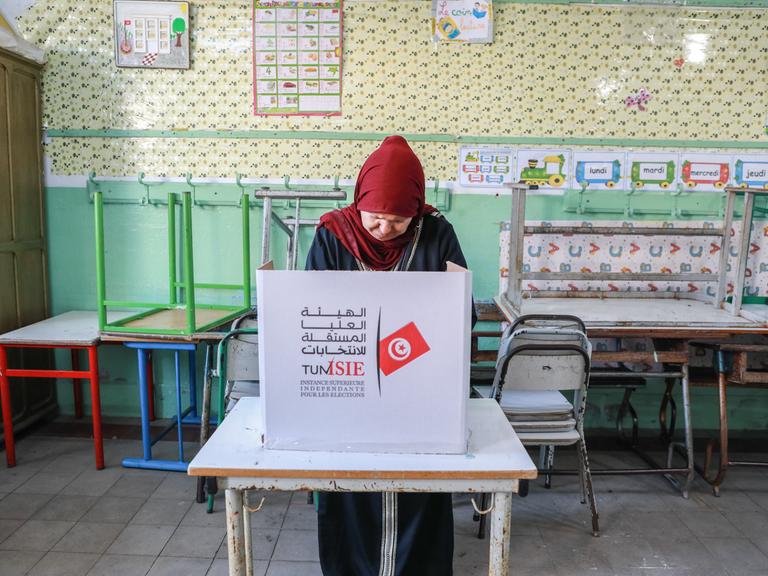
x=462, y=21
x=598, y=170
x=151, y=34
x=486, y=167
x=297, y=57
x=547, y=169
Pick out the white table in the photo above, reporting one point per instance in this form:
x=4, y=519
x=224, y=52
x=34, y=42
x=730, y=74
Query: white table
x=495, y=462
x=75, y=331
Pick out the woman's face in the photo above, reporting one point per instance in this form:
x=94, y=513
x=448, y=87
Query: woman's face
x=384, y=226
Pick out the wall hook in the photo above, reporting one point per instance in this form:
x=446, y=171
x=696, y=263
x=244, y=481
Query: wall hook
x=92, y=185
x=146, y=198
x=188, y=178
x=337, y=187
x=628, y=210
x=580, y=208
x=676, y=212
x=243, y=191
x=238, y=181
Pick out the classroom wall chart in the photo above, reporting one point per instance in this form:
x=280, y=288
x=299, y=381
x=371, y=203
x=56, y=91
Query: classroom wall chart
x=558, y=170
x=297, y=57
x=462, y=21
x=705, y=171
x=652, y=170
x=486, y=167
x=151, y=34
x=599, y=170
x=547, y=169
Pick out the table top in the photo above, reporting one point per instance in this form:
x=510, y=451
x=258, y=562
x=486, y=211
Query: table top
x=76, y=328
x=654, y=317
x=236, y=450
x=172, y=319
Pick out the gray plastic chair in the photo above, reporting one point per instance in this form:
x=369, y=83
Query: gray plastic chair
x=238, y=362
x=539, y=357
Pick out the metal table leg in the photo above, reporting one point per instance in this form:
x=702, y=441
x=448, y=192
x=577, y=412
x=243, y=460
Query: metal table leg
x=93, y=376
x=688, y=429
x=147, y=461
x=501, y=517
x=721, y=363
x=77, y=389
x=5, y=401
x=235, y=532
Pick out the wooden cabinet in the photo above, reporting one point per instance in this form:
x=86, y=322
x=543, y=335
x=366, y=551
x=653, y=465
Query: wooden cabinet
x=23, y=284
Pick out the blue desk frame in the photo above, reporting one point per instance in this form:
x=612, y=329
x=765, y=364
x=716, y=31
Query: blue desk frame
x=186, y=416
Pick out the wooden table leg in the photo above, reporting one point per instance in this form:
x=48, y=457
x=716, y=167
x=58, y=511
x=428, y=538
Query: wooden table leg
x=235, y=532
x=5, y=400
x=501, y=516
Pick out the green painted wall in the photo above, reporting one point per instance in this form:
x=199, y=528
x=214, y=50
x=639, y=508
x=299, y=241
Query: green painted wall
x=136, y=239
x=555, y=75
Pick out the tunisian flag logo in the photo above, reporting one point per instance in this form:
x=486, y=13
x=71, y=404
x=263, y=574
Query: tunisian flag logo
x=400, y=348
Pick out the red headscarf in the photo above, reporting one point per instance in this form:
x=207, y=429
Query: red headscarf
x=391, y=181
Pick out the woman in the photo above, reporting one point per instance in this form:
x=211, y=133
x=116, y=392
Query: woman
x=388, y=226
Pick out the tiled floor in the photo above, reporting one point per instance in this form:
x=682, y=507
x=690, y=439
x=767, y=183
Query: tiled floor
x=61, y=517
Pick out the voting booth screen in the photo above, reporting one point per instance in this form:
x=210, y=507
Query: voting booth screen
x=365, y=361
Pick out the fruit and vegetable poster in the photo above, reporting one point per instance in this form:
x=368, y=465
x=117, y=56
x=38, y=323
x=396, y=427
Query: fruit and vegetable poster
x=297, y=57
x=462, y=21
x=151, y=34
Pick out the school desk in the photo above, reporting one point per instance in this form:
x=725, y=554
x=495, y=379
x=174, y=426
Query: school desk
x=731, y=360
x=145, y=345
x=670, y=323
x=495, y=462
x=73, y=331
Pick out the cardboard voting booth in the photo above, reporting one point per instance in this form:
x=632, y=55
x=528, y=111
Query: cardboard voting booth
x=365, y=361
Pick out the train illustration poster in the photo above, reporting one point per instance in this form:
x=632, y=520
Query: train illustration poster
x=598, y=170
x=751, y=170
x=652, y=170
x=547, y=169
x=705, y=171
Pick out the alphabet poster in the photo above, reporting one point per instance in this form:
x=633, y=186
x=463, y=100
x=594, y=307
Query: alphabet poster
x=462, y=21
x=297, y=58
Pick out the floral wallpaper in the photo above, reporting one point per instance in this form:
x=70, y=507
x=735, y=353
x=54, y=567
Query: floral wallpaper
x=553, y=70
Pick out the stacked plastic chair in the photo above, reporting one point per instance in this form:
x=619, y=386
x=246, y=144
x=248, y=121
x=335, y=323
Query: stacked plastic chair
x=540, y=356
x=238, y=363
